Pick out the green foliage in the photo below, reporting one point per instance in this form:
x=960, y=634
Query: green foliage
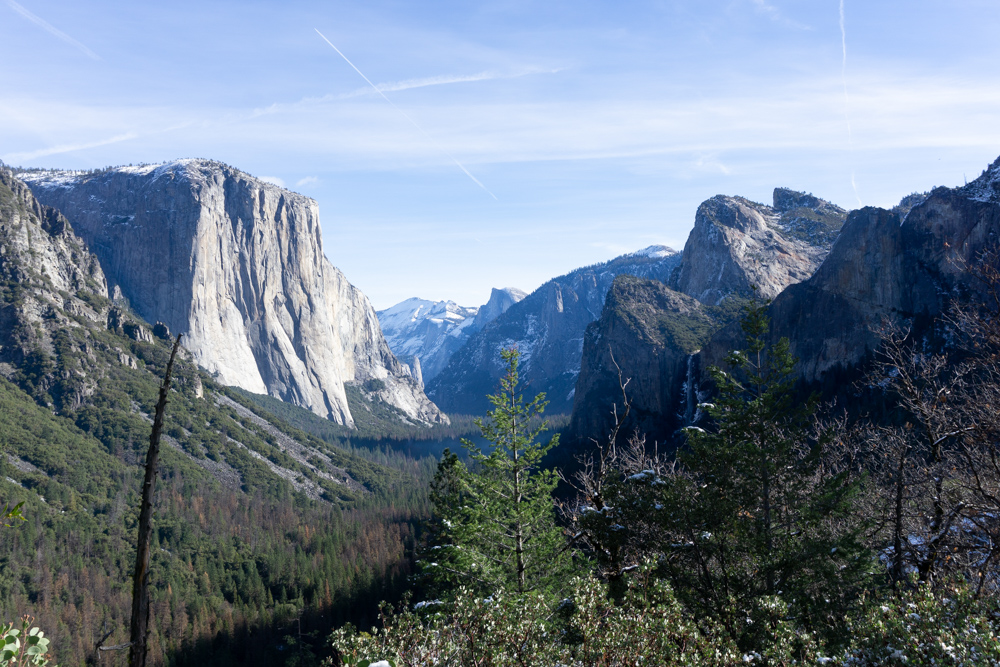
x=224, y=556
x=586, y=629
x=9, y=513
x=920, y=626
x=494, y=526
x=23, y=646
x=752, y=511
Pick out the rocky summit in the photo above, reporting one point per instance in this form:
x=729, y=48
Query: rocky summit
x=236, y=265
x=653, y=332
x=888, y=266
x=737, y=243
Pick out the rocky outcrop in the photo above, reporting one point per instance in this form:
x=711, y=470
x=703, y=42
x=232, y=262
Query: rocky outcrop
x=900, y=265
x=737, y=243
x=424, y=334
x=655, y=335
x=237, y=266
x=500, y=302
x=650, y=333
x=548, y=328
x=49, y=281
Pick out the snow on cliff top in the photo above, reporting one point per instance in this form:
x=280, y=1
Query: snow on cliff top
x=68, y=177
x=986, y=188
x=654, y=251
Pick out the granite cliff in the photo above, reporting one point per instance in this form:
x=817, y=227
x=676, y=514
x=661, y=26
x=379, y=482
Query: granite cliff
x=652, y=334
x=49, y=281
x=737, y=243
x=548, y=328
x=237, y=265
x=901, y=265
x=654, y=331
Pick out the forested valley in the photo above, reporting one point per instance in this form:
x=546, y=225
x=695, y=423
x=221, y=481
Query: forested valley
x=840, y=518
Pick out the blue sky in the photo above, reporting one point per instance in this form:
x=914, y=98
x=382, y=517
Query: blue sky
x=594, y=127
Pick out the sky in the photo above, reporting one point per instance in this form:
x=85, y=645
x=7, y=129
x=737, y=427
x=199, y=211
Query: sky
x=455, y=146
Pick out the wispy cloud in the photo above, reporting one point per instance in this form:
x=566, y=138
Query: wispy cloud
x=66, y=148
x=847, y=101
x=407, y=84
x=445, y=79
x=773, y=13
x=405, y=115
x=273, y=180
x=51, y=29
x=308, y=180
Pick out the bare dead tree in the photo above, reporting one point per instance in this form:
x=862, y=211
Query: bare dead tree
x=916, y=465
x=589, y=516
x=140, y=579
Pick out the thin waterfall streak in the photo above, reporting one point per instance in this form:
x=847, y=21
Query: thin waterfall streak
x=407, y=116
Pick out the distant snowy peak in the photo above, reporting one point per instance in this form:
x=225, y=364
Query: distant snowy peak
x=427, y=333
x=655, y=252
x=406, y=314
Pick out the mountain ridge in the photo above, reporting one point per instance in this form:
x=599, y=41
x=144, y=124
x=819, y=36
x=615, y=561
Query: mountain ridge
x=547, y=327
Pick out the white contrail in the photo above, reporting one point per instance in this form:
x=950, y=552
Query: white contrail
x=379, y=91
x=67, y=148
x=51, y=29
x=847, y=101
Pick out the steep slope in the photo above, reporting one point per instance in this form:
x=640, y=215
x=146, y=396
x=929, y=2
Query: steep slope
x=654, y=334
x=548, y=328
x=241, y=498
x=737, y=243
x=424, y=334
x=899, y=265
x=49, y=281
x=237, y=265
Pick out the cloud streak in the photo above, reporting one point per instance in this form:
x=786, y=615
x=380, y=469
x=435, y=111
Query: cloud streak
x=67, y=148
x=847, y=101
x=445, y=79
x=460, y=166
x=51, y=29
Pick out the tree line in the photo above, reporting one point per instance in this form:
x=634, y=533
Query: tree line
x=782, y=532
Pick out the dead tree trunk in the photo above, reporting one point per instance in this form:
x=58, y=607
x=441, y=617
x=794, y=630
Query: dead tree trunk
x=140, y=580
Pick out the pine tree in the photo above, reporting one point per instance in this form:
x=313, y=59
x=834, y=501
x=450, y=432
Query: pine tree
x=494, y=527
x=753, y=512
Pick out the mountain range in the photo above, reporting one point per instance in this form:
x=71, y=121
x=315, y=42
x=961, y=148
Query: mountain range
x=263, y=495
x=424, y=334
x=547, y=327
x=242, y=495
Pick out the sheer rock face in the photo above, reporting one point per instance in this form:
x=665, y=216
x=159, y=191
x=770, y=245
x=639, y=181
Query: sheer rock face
x=655, y=332
x=887, y=265
x=46, y=272
x=737, y=243
x=237, y=266
x=500, y=302
x=650, y=332
x=548, y=328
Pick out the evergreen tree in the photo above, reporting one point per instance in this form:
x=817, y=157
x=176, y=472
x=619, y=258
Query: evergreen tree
x=752, y=509
x=759, y=512
x=494, y=526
